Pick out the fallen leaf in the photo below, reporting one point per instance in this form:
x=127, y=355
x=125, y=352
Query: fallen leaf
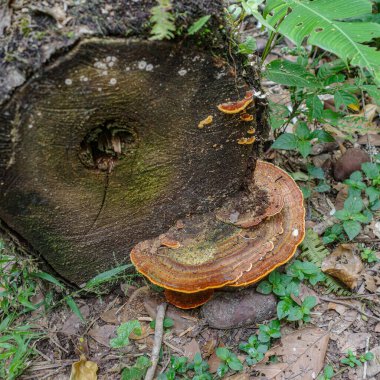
x=373, y=139
x=340, y=309
x=191, y=348
x=377, y=328
x=214, y=362
x=371, y=282
x=103, y=334
x=344, y=264
x=84, y=370
x=352, y=341
x=302, y=354
x=110, y=316
x=340, y=325
x=210, y=345
x=72, y=324
x=239, y=376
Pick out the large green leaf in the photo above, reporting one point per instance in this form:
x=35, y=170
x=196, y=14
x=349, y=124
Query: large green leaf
x=290, y=74
x=322, y=23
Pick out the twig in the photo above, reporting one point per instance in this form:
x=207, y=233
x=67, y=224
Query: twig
x=350, y=306
x=158, y=334
x=365, y=363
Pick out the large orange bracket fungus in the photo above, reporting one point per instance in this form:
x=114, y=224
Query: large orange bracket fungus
x=236, y=245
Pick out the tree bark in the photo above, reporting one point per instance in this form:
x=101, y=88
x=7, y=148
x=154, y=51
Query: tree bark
x=100, y=147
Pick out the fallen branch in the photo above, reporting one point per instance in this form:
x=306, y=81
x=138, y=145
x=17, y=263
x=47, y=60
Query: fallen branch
x=349, y=306
x=158, y=335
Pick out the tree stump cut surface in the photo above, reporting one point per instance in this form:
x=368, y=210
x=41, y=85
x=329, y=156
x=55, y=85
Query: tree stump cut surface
x=102, y=150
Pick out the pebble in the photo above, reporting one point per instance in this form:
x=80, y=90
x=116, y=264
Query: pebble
x=228, y=310
x=350, y=161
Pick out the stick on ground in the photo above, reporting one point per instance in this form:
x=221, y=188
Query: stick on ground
x=158, y=334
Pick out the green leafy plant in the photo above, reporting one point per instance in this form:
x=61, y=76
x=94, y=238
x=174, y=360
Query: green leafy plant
x=352, y=216
x=353, y=360
x=288, y=309
x=198, y=25
x=123, y=333
x=369, y=255
x=255, y=349
x=178, y=365
x=162, y=20
x=269, y=331
x=301, y=139
x=138, y=370
x=229, y=361
x=323, y=24
x=200, y=368
x=328, y=373
x=168, y=323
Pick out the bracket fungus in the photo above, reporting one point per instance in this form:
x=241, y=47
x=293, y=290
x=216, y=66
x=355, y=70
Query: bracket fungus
x=236, y=245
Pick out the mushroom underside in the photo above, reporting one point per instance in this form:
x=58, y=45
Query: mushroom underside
x=236, y=245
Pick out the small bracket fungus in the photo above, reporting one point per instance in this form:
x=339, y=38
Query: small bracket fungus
x=236, y=245
x=236, y=107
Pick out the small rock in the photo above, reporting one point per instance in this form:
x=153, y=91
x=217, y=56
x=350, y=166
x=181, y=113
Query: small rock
x=344, y=265
x=350, y=161
x=229, y=310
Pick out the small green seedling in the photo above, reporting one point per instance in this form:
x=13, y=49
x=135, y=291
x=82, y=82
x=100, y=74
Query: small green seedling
x=200, y=368
x=229, y=361
x=269, y=331
x=168, y=323
x=369, y=255
x=353, y=360
x=328, y=373
x=178, y=365
x=255, y=349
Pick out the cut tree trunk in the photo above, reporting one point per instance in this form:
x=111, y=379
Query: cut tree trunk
x=101, y=149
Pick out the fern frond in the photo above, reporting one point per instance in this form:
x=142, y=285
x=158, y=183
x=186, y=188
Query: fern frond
x=323, y=23
x=162, y=20
x=313, y=250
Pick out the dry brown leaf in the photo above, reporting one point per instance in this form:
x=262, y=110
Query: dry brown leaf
x=209, y=346
x=340, y=325
x=371, y=138
x=239, y=376
x=340, y=309
x=353, y=341
x=191, y=348
x=5, y=17
x=73, y=323
x=84, y=370
x=110, y=316
x=103, y=334
x=302, y=354
x=344, y=265
x=305, y=291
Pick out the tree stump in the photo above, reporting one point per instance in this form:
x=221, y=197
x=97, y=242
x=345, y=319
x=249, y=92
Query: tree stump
x=101, y=148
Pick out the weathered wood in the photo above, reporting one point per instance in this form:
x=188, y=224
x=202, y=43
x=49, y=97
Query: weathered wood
x=102, y=149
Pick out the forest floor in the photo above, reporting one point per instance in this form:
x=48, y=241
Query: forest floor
x=338, y=323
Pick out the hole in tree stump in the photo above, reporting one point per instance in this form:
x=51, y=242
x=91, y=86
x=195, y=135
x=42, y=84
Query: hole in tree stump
x=106, y=144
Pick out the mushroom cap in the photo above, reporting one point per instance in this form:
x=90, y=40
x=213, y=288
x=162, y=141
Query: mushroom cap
x=213, y=253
